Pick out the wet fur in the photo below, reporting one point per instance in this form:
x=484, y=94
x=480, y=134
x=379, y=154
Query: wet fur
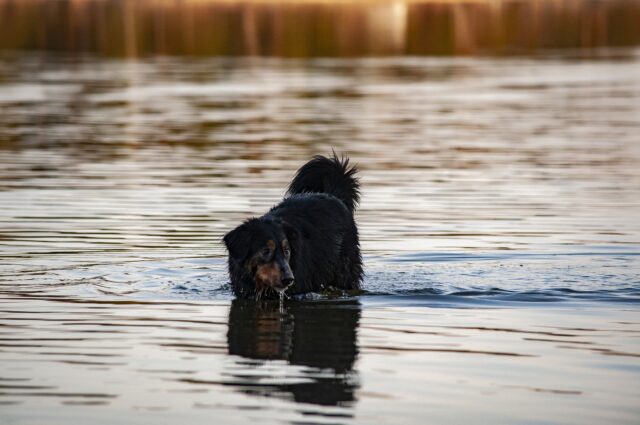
x=316, y=221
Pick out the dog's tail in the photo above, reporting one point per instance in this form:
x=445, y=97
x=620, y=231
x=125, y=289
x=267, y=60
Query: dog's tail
x=328, y=175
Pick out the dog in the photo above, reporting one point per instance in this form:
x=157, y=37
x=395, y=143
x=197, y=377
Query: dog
x=306, y=243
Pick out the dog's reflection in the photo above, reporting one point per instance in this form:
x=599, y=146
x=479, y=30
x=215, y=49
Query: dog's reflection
x=318, y=335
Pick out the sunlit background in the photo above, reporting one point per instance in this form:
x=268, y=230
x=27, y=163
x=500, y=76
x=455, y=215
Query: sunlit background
x=117, y=28
x=498, y=143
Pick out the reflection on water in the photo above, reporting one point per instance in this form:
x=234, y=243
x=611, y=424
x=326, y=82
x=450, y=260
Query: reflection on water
x=159, y=157
x=316, y=28
x=321, y=336
x=111, y=359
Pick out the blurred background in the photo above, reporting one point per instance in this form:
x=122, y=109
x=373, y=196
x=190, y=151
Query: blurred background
x=117, y=28
x=499, y=155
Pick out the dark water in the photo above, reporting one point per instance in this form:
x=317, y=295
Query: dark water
x=499, y=225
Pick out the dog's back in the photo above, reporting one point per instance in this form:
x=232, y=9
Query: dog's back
x=322, y=198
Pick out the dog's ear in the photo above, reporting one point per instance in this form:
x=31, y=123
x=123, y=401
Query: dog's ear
x=238, y=241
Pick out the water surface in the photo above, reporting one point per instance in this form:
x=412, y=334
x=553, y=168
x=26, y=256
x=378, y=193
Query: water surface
x=498, y=223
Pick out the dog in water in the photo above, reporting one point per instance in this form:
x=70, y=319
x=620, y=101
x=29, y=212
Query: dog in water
x=307, y=242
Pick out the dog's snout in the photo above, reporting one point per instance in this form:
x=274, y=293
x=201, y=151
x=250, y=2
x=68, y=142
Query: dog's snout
x=287, y=280
x=287, y=275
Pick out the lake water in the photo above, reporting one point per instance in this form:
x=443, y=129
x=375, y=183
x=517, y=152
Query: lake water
x=499, y=226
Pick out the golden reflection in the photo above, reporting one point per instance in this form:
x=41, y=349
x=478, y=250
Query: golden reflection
x=316, y=28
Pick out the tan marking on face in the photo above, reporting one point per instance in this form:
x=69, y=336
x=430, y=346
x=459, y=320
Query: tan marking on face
x=257, y=257
x=268, y=275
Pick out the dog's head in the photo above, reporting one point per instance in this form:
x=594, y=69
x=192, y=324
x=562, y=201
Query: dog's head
x=260, y=252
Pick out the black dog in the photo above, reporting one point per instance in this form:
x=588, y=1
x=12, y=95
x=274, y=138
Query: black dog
x=307, y=242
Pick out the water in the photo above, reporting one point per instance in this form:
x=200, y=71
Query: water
x=498, y=222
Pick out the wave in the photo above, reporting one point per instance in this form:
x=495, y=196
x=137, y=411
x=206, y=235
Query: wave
x=439, y=279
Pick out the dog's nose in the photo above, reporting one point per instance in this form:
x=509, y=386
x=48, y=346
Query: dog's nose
x=287, y=281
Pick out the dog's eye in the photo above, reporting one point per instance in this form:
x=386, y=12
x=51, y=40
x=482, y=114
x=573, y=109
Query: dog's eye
x=287, y=252
x=266, y=252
